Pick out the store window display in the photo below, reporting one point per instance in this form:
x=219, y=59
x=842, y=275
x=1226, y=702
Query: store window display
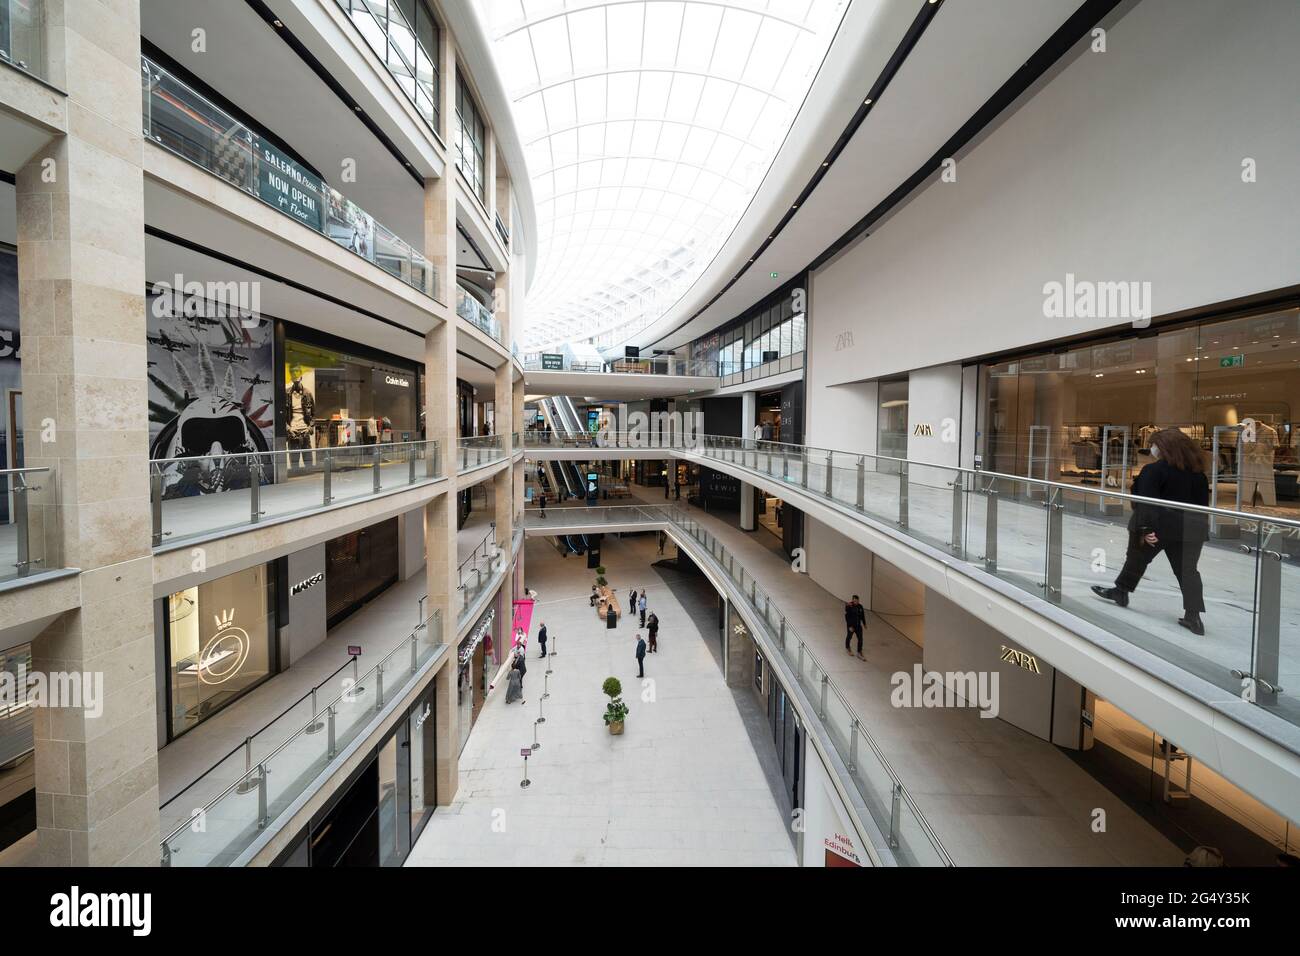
x=219, y=644
x=332, y=399
x=1086, y=415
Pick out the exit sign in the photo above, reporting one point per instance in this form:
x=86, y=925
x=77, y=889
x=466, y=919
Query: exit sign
x=1232, y=361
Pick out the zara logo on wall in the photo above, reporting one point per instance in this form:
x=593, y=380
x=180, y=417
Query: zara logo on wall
x=304, y=584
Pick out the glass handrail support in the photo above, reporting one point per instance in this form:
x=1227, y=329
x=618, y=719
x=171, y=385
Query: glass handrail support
x=25, y=546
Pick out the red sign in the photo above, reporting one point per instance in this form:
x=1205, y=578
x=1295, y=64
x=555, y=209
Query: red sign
x=354, y=650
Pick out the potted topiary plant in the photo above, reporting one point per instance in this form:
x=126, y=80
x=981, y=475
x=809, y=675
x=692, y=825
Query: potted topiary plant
x=601, y=581
x=615, y=710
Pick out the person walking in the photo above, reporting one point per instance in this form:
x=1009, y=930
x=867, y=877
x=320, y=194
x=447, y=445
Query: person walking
x=640, y=656
x=594, y=595
x=663, y=539
x=1176, y=474
x=514, y=687
x=652, y=627
x=541, y=500
x=631, y=601
x=641, y=606
x=521, y=666
x=541, y=638
x=855, y=619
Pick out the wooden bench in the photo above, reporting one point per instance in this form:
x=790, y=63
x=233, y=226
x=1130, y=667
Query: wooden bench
x=607, y=599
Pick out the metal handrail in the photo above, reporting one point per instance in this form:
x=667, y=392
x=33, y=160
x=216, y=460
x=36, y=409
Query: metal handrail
x=760, y=445
x=402, y=645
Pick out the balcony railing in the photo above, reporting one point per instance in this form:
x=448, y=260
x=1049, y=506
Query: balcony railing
x=1054, y=541
x=472, y=310
x=27, y=500
x=911, y=838
x=480, y=450
x=219, y=816
x=178, y=117
x=22, y=35
x=502, y=231
x=656, y=365
x=205, y=494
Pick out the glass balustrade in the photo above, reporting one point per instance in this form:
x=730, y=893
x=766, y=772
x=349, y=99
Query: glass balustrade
x=28, y=537
x=204, y=494
x=22, y=35
x=480, y=450
x=653, y=365
x=1055, y=542
x=473, y=311
x=179, y=118
x=219, y=816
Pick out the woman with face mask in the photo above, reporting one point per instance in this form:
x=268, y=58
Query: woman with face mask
x=1177, y=474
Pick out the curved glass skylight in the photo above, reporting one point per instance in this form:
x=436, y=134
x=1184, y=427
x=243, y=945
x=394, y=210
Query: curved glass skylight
x=648, y=125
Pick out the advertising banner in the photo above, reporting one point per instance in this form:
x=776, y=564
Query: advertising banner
x=288, y=186
x=552, y=361
x=349, y=225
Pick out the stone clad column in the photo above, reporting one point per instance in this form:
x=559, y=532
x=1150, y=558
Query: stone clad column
x=440, y=425
x=503, y=483
x=81, y=283
x=748, y=416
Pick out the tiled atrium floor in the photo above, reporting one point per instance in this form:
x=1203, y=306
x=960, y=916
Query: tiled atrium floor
x=682, y=785
x=994, y=794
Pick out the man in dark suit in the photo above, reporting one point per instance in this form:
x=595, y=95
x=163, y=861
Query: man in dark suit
x=640, y=656
x=541, y=638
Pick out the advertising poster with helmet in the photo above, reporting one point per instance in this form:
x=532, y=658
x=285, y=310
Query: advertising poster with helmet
x=210, y=393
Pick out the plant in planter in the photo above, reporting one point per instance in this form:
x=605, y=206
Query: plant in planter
x=601, y=581
x=615, y=710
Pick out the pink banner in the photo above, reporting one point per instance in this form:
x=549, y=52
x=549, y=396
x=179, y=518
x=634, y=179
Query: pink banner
x=523, y=619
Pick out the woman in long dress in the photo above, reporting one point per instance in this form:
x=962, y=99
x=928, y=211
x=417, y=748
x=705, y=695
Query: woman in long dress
x=514, y=687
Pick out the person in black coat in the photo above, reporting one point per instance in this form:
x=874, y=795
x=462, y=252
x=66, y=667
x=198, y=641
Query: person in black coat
x=640, y=655
x=541, y=639
x=521, y=666
x=1177, y=474
x=855, y=618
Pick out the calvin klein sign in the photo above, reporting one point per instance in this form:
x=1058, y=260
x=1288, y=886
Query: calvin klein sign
x=304, y=584
x=397, y=380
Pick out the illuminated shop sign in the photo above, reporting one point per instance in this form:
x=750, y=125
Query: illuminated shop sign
x=397, y=380
x=225, y=652
x=304, y=584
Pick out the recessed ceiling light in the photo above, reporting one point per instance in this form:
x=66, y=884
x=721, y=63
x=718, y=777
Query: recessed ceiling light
x=825, y=164
x=278, y=24
x=867, y=101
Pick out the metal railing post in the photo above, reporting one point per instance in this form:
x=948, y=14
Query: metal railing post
x=895, y=815
x=785, y=462
x=1268, y=621
x=327, y=491
x=379, y=458
x=826, y=683
x=803, y=467
x=853, y=746
x=862, y=483
x=254, y=490
x=782, y=634
x=902, y=495
x=411, y=453
x=263, y=814
x=1055, y=523
x=24, y=562
x=415, y=652
x=379, y=687
x=958, y=517
x=155, y=508
x=991, y=528
x=830, y=472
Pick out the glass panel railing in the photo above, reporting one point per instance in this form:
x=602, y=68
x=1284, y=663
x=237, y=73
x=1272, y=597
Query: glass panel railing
x=480, y=450
x=654, y=365
x=179, y=118
x=203, y=494
x=1059, y=542
x=22, y=35
x=475, y=312
x=28, y=536
x=218, y=816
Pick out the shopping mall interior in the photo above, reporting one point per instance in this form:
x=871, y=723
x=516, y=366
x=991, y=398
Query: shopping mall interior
x=748, y=433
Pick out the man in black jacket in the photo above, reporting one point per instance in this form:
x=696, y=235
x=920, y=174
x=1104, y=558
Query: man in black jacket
x=640, y=656
x=541, y=639
x=1175, y=475
x=855, y=619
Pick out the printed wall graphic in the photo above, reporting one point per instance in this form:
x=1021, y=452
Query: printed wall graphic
x=210, y=381
x=350, y=225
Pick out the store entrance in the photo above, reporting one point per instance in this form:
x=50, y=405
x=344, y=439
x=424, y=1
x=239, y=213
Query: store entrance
x=358, y=566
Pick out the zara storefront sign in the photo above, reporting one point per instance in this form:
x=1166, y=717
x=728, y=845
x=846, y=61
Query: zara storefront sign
x=305, y=583
x=1027, y=661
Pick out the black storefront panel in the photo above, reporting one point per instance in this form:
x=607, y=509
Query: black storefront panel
x=358, y=566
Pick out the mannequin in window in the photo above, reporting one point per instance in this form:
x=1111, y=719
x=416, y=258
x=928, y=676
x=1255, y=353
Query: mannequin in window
x=299, y=414
x=1255, y=451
